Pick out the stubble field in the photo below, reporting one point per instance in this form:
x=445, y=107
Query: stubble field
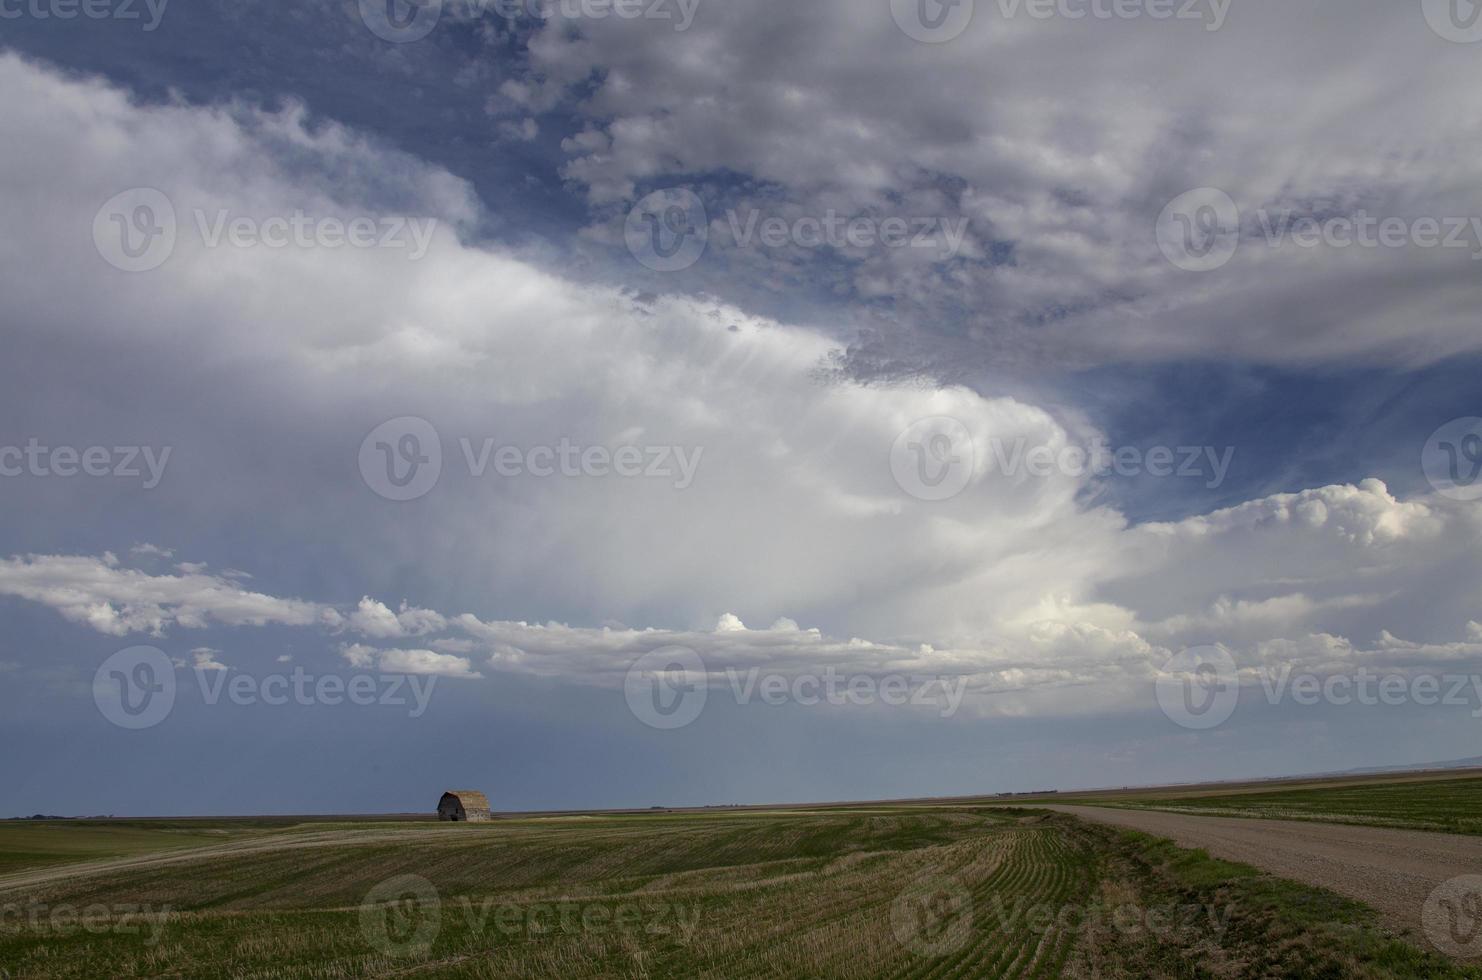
x=889, y=891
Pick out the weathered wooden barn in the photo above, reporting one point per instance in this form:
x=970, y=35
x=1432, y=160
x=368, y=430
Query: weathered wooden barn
x=464, y=806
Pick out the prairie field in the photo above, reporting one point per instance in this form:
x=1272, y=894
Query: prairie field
x=1444, y=803
x=939, y=892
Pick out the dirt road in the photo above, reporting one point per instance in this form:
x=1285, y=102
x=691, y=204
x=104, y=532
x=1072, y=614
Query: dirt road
x=1392, y=870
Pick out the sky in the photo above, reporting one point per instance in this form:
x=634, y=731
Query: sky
x=626, y=404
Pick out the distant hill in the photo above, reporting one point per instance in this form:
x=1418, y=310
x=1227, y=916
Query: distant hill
x=1475, y=762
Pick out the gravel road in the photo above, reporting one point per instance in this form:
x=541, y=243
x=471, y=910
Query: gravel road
x=1393, y=871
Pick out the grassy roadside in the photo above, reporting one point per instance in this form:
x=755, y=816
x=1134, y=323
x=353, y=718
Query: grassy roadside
x=1451, y=806
x=1252, y=924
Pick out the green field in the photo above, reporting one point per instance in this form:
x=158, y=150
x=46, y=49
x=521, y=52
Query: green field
x=926, y=892
x=1450, y=805
x=28, y=844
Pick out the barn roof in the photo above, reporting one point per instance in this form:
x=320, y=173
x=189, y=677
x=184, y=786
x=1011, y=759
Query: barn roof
x=471, y=799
